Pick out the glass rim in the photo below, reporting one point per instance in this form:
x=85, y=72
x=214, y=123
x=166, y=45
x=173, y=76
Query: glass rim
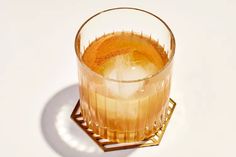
x=126, y=81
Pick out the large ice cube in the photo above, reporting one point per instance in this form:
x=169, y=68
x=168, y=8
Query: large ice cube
x=124, y=68
x=129, y=73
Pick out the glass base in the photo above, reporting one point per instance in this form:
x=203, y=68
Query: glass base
x=107, y=145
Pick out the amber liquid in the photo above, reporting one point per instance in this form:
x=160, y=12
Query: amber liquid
x=124, y=111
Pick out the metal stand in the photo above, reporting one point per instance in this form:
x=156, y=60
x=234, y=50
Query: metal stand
x=107, y=145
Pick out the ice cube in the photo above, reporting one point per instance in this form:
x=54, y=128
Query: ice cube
x=127, y=67
x=128, y=73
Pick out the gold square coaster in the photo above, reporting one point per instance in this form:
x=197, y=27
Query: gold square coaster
x=107, y=145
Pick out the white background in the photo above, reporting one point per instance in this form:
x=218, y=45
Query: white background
x=38, y=77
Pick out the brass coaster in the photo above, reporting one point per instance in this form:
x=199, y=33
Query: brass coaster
x=107, y=145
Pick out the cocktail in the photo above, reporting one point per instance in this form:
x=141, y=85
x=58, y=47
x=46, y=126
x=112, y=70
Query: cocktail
x=125, y=58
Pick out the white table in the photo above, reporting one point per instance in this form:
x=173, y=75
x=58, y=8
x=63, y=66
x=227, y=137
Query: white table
x=38, y=77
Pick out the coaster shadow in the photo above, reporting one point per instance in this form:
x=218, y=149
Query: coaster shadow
x=62, y=134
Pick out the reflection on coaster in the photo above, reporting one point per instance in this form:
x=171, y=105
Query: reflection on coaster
x=107, y=145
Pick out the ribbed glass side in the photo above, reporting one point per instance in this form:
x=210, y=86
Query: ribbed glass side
x=124, y=120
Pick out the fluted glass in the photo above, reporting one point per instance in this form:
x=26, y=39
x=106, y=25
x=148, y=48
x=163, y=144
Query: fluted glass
x=118, y=118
